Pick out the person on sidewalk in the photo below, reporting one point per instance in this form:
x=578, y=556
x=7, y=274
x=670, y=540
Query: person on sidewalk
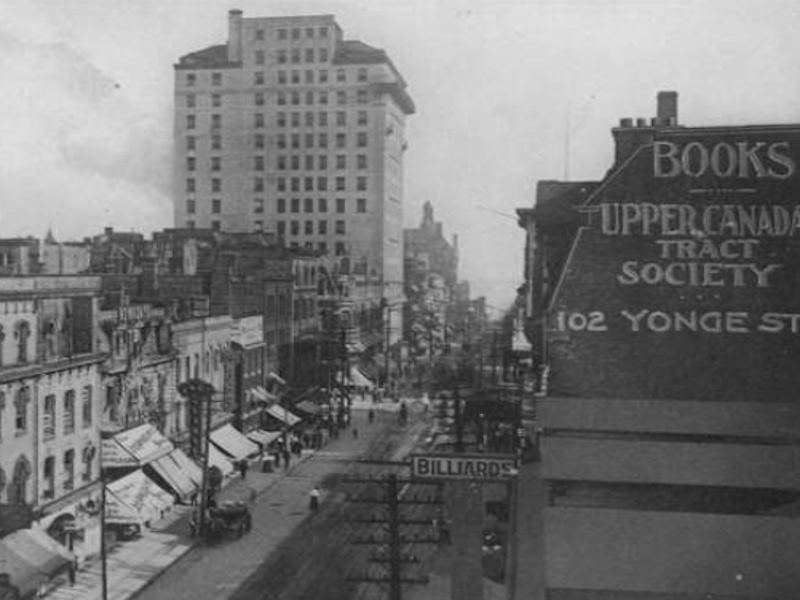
x=371, y=416
x=313, y=498
x=355, y=433
x=287, y=458
x=243, y=468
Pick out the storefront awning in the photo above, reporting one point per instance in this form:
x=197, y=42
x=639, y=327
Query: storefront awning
x=30, y=556
x=175, y=469
x=308, y=407
x=357, y=379
x=283, y=415
x=217, y=459
x=260, y=393
x=232, y=442
x=135, y=447
x=277, y=378
x=136, y=498
x=265, y=438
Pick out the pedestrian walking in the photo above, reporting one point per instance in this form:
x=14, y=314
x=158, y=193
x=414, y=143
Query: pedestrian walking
x=355, y=433
x=243, y=468
x=287, y=458
x=371, y=416
x=313, y=498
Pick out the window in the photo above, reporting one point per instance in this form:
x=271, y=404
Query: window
x=340, y=228
x=361, y=184
x=361, y=205
x=340, y=249
x=295, y=184
x=21, y=410
x=323, y=118
x=309, y=55
x=216, y=225
x=69, y=469
x=216, y=206
x=258, y=120
x=281, y=184
x=341, y=76
x=280, y=140
x=258, y=225
x=294, y=228
x=361, y=161
x=216, y=163
x=258, y=78
x=216, y=185
x=322, y=227
x=295, y=163
x=322, y=205
x=308, y=184
x=258, y=206
x=216, y=100
x=309, y=76
x=295, y=119
x=191, y=142
x=295, y=205
x=323, y=162
x=341, y=161
x=258, y=163
x=49, y=474
x=295, y=34
x=309, y=98
x=49, y=421
x=362, y=74
x=341, y=118
x=281, y=99
x=190, y=207
x=323, y=140
x=309, y=228
x=190, y=185
x=323, y=76
x=309, y=32
x=191, y=121
x=216, y=121
x=361, y=96
x=323, y=32
x=323, y=97
x=295, y=76
x=309, y=141
x=190, y=163
x=282, y=77
x=216, y=79
x=309, y=119
x=216, y=142
x=361, y=139
x=281, y=163
x=260, y=57
x=341, y=98
x=258, y=141
x=190, y=224
x=258, y=184
x=281, y=227
x=88, y=457
x=281, y=205
x=362, y=117
x=309, y=162
x=296, y=98
x=281, y=34
x=341, y=183
x=322, y=184
x=191, y=100
x=341, y=140
x=295, y=56
x=69, y=412
x=191, y=79
x=260, y=35
x=340, y=205
x=323, y=247
x=281, y=57
x=323, y=55
x=308, y=205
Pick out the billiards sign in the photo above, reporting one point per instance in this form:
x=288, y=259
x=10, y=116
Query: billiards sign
x=685, y=281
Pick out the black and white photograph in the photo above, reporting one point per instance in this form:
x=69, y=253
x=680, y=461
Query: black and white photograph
x=400, y=300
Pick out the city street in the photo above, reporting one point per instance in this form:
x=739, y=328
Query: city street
x=290, y=553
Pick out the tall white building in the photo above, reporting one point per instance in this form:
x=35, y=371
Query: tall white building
x=292, y=129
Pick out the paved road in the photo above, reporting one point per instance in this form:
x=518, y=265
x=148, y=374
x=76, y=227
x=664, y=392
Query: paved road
x=291, y=554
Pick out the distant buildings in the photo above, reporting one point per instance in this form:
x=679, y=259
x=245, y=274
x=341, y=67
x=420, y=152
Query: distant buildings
x=662, y=305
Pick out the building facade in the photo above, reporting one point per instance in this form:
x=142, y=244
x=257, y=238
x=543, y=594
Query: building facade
x=669, y=420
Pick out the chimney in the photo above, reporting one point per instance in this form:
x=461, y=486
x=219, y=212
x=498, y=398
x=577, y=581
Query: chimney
x=667, y=108
x=235, y=35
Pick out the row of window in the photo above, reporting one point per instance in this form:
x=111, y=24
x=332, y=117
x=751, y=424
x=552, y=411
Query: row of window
x=297, y=98
x=294, y=56
x=282, y=119
x=293, y=205
x=340, y=227
x=311, y=163
x=295, y=32
x=310, y=76
x=191, y=79
x=68, y=413
x=340, y=183
x=68, y=482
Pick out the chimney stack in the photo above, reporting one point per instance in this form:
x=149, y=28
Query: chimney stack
x=235, y=35
x=667, y=108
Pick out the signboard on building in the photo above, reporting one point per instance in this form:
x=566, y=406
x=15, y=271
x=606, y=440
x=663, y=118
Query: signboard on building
x=475, y=467
x=248, y=331
x=685, y=281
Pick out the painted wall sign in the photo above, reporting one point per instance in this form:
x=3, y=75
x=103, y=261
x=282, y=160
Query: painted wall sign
x=478, y=467
x=685, y=283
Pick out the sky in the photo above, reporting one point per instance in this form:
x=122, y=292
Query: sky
x=508, y=92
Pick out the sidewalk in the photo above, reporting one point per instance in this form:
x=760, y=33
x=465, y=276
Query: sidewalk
x=131, y=565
